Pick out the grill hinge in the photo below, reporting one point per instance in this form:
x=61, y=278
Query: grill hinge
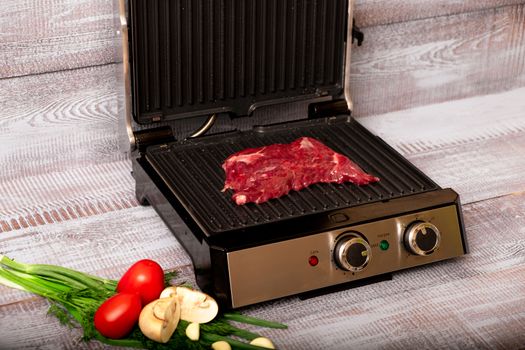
x=357, y=34
x=155, y=136
x=328, y=109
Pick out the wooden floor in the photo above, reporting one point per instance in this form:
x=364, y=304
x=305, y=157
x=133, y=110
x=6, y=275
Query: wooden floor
x=67, y=196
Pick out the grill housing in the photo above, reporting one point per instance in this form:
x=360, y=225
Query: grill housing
x=192, y=58
x=197, y=57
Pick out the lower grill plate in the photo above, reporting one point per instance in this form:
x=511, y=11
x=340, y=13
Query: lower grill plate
x=192, y=170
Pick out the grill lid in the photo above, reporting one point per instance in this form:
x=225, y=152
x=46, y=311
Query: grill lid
x=198, y=57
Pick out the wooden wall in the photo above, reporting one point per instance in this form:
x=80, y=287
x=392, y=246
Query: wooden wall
x=435, y=59
x=379, y=12
x=52, y=35
x=416, y=52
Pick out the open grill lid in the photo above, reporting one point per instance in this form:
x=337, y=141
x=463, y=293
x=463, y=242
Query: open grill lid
x=199, y=57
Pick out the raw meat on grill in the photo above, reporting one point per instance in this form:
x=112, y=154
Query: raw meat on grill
x=259, y=174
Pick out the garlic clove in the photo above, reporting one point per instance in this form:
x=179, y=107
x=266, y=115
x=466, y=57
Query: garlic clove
x=263, y=343
x=193, y=331
x=221, y=345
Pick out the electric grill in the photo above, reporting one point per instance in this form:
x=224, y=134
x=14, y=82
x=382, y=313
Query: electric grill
x=255, y=73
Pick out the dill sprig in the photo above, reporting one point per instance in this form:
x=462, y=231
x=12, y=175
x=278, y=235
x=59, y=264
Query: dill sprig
x=169, y=276
x=63, y=316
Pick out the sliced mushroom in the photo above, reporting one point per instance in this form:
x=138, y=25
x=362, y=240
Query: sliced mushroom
x=168, y=292
x=160, y=307
x=195, y=306
x=159, y=319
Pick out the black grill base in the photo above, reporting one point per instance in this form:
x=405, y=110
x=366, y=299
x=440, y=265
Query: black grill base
x=344, y=286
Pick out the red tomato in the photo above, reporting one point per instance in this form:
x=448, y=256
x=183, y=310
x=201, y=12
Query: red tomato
x=146, y=278
x=116, y=317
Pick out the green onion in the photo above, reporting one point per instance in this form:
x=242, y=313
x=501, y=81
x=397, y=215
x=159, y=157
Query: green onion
x=222, y=327
x=73, y=278
x=252, y=320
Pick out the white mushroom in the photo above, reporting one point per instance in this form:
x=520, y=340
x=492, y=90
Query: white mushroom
x=221, y=345
x=159, y=319
x=263, y=343
x=168, y=292
x=193, y=331
x=195, y=306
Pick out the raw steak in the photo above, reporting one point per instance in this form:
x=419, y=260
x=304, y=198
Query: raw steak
x=259, y=174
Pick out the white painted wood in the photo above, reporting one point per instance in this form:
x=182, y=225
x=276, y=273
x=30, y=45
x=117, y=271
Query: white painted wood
x=428, y=51
x=478, y=171
x=474, y=145
x=382, y=12
x=43, y=36
x=104, y=244
x=409, y=64
x=452, y=123
x=52, y=35
x=58, y=121
x=60, y=196
x=59, y=148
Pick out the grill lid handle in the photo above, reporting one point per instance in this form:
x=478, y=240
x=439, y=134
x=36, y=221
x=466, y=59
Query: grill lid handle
x=357, y=34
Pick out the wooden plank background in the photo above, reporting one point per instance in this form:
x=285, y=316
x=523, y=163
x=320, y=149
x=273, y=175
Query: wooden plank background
x=434, y=51
x=67, y=197
x=52, y=35
x=410, y=64
x=379, y=12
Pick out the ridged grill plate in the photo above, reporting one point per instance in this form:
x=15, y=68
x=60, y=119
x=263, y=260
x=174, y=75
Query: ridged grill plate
x=192, y=170
x=197, y=57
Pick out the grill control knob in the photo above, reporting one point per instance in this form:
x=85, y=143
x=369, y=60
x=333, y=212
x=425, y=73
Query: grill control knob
x=422, y=238
x=352, y=252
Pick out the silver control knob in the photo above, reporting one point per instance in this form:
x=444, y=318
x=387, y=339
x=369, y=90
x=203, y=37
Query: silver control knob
x=352, y=252
x=422, y=238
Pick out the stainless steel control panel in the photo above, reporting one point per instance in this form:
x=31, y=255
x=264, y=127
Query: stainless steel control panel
x=343, y=255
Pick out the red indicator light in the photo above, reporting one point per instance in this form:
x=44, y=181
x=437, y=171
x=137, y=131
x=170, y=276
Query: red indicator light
x=313, y=260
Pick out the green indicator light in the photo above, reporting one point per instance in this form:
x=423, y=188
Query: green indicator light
x=383, y=245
